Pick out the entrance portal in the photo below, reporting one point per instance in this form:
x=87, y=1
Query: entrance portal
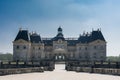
x=59, y=57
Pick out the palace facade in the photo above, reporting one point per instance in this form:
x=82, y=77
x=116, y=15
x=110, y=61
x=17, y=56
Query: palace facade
x=87, y=47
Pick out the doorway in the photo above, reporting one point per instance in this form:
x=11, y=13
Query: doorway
x=59, y=57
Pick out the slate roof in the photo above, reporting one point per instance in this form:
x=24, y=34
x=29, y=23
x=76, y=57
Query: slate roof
x=95, y=35
x=22, y=34
x=84, y=39
x=59, y=36
x=35, y=38
x=72, y=42
x=48, y=42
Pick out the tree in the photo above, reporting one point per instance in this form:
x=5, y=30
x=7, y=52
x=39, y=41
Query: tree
x=6, y=57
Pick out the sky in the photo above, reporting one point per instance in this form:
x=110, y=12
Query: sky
x=74, y=16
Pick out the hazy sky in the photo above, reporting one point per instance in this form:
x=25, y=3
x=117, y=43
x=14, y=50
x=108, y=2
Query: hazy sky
x=75, y=16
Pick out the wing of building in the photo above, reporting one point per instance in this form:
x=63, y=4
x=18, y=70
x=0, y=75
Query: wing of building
x=87, y=47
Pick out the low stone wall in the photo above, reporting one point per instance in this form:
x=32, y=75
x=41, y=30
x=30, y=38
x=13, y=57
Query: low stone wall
x=20, y=70
x=111, y=71
x=102, y=67
x=25, y=67
x=107, y=71
x=49, y=68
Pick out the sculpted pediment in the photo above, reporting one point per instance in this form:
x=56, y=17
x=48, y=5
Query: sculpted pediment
x=97, y=42
x=20, y=41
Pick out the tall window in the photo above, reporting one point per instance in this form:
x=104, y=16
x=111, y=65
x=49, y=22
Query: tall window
x=24, y=47
x=85, y=48
x=73, y=55
x=101, y=47
x=17, y=47
x=94, y=55
x=95, y=47
x=79, y=48
x=33, y=48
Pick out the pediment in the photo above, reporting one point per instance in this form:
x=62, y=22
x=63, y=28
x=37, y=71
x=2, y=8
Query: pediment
x=20, y=41
x=97, y=42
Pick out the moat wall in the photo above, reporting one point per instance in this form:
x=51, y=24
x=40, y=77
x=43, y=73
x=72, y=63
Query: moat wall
x=112, y=68
x=7, y=68
x=20, y=70
x=96, y=70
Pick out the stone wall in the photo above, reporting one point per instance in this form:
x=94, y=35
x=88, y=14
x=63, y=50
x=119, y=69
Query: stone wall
x=20, y=70
x=98, y=70
x=112, y=68
x=25, y=67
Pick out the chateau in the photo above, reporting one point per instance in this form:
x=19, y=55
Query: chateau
x=87, y=47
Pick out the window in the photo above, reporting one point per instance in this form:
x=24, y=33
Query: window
x=95, y=57
x=85, y=48
x=101, y=57
x=79, y=54
x=17, y=47
x=24, y=47
x=98, y=41
x=73, y=55
x=56, y=47
x=101, y=47
x=86, y=57
x=62, y=47
x=33, y=48
x=79, y=48
x=95, y=47
x=94, y=54
x=80, y=57
x=59, y=41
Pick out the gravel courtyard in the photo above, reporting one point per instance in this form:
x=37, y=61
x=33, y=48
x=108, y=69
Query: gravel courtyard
x=59, y=74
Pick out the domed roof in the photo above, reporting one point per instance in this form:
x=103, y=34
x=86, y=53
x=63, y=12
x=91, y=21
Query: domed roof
x=59, y=29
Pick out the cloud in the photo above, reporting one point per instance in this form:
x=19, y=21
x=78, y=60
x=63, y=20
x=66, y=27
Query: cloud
x=75, y=16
